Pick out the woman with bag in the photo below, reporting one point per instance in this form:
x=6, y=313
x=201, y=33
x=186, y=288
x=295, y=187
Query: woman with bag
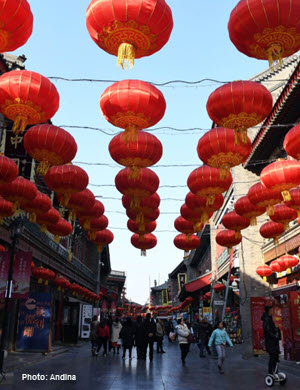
x=115, y=336
x=183, y=334
x=220, y=338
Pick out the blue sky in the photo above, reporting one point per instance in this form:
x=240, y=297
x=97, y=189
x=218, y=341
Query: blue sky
x=199, y=48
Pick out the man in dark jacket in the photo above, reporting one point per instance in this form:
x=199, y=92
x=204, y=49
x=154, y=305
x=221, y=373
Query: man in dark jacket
x=272, y=337
x=149, y=331
x=204, y=332
x=127, y=335
x=139, y=337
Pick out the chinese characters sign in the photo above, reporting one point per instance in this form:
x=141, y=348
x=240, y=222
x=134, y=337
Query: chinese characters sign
x=181, y=281
x=34, y=322
x=21, y=275
x=4, y=268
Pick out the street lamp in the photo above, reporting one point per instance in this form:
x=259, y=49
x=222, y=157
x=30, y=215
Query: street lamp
x=100, y=264
x=16, y=231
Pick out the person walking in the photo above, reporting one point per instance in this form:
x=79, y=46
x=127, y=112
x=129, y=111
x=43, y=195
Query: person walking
x=220, y=338
x=183, y=333
x=204, y=331
x=127, y=335
x=139, y=337
x=272, y=337
x=159, y=336
x=115, y=336
x=93, y=334
x=169, y=329
x=109, y=323
x=149, y=332
x=103, y=336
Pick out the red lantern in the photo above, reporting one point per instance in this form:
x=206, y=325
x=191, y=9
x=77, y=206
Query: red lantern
x=218, y=149
x=61, y=283
x=291, y=142
x=39, y=205
x=2, y=248
x=16, y=24
x=183, y=242
x=91, y=213
x=284, y=215
x=246, y=209
x=27, y=98
x=97, y=224
x=104, y=237
x=282, y=175
x=228, y=238
x=239, y=105
x=261, y=196
x=8, y=170
x=199, y=205
x=271, y=230
x=50, y=218
x=184, y=226
x=277, y=267
x=131, y=29
x=149, y=241
x=32, y=266
x=266, y=30
x=79, y=202
x=264, y=271
x=207, y=296
x=294, y=203
x=18, y=191
x=136, y=228
x=234, y=221
x=146, y=205
x=6, y=209
x=289, y=262
x=42, y=273
x=142, y=152
x=219, y=287
x=66, y=180
x=193, y=216
x=142, y=218
x=206, y=181
x=143, y=186
x=62, y=228
x=50, y=145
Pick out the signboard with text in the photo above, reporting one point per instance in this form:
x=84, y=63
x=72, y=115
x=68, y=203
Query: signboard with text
x=257, y=309
x=181, y=281
x=4, y=269
x=21, y=275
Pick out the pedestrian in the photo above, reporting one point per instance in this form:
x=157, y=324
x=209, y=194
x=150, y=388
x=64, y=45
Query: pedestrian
x=149, y=331
x=139, y=337
x=169, y=329
x=109, y=323
x=127, y=335
x=103, y=336
x=272, y=337
x=183, y=333
x=115, y=336
x=220, y=338
x=159, y=336
x=204, y=331
x=93, y=334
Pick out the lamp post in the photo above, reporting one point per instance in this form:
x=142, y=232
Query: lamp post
x=99, y=265
x=17, y=227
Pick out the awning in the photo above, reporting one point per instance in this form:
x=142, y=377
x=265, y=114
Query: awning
x=198, y=284
x=284, y=289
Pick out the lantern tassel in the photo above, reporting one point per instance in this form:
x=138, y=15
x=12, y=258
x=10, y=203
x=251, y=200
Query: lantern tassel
x=143, y=252
x=253, y=221
x=204, y=217
x=87, y=224
x=186, y=254
x=288, y=271
x=40, y=280
x=126, y=55
x=32, y=217
x=141, y=237
x=270, y=210
x=134, y=172
x=197, y=227
x=1, y=220
x=130, y=133
x=43, y=167
x=43, y=228
x=275, y=53
x=135, y=203
x=99, y=248
x=56, y=238
x=210, y=199
x=70, y=255
x=286, y=196
x=20, y=124
x=46, y=282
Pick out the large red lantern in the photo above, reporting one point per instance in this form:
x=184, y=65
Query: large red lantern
x=184, y=226
x=186, y=243
x=265, y=29
x=264, y=271
x=49, y=145
x=91, y=213
x=277, y=267
x=132, y=105
x=27, y=98
x=194, y=217
x=261, y=196
x=234, y=221
x=294, y=203
x=281, y=175
x=97, y=224
x=246, y=209
x=284, y=215
x=79, y=202
x=50, y=218
x=142, y=152
x=271, y=230
x=129, y=29
x=42, y=273
x=291, y=142
x=6, y=209
x=218, y=149
x=103, y=237
x=66, y=180
x=199, y=205
x=61, y=283
x=136, y=227
x=206, y=181
x=146, y=205
x=16, y=24
x=142, y=218
x=39, y=205
x=228, y=238
x=219, y=287
x=148, y=241
x=8, y=170
x=62, y=228
x=18, y=191
x=287, y=262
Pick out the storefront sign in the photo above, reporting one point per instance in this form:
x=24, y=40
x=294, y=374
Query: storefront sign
x=4, y=269
x=34, y=323
x=21, y=275
x=87, y=312
x=164, y=297
x=181, y=281
x=287, y=332
x=282, y=282
x=257, y=309
x=207, y=313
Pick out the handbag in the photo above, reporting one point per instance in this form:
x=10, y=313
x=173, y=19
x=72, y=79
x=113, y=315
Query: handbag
x=191, y=339
x=172, y=336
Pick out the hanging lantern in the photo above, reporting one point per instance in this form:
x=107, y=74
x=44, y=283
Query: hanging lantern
x=8, y=170
x=294, y=203
x=246, y=209
x=66, y=180
x=284, y=215
x=239, y=105
x=132, y=105
x=149, y=241
x=291, y=142
x=79, y=202
x=129, y=30
x=271, y=230
x=16, y=24
x=142, y=218
x=266, y=30
x=91, y=213
x=207, y=296
x=146, y=205
x=27, y=98
x=97, y=224
x=281, y=175
x=290, y=262
x=261, y=196
x=206, y=181
x=264, y=271
x=42, y=273
x=144, y=151
x=199, y=205
x=61, y=283
x=228, y=238
x=51, y=217
x=143, y=186
x=32, y=266
x=193, y=216
x=62, y=228
x=184, y=226
x=6, y=209
x=103, y=238
x=276, y=267
x=18, y=191
x=183, y=242
x=218, y=149
x=2, y=248
x=234, y=221
x=219, y=287
x=49, y=145
x=39, y=205
x=135, y=227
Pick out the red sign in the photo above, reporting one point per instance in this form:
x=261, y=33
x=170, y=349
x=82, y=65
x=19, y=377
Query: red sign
x=21, y=275
x=4, y=269
x=257, y=309
x=295, y=310
x=287, y=333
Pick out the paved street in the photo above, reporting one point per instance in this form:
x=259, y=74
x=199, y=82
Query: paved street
x=164, y=373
